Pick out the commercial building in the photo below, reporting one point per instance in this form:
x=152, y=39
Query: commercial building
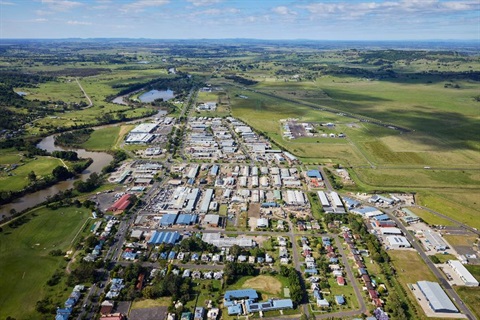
x=227, y=242
x=436, y=297
x=434, y=239
x=397, y=242
x=206, y=201
x=159, y=237
x=463, y=273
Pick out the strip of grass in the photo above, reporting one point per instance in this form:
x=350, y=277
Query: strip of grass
x=25, y=262
x=470, y=296
x=430, y=218
x=102, y=139
x=449, y=208
x=474, y=270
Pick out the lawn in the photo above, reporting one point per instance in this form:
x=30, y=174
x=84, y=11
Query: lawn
x=458, y=211
x=150, y=303
x=474, y=270
x=461, y=240
x=17, y=179
x=25, y=263
x=102, y=139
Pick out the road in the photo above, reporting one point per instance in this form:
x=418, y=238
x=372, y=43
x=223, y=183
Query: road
x=90, y=103
x=442, y=280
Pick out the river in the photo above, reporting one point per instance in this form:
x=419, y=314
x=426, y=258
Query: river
x=100, y=160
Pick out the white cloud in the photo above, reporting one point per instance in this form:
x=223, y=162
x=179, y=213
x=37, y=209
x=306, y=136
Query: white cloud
x=61, y=5
x=79, y=23
x=284, y=11
x=6, y=3
x=202, y=3
x=349, y=10
x=140, y=5
x=39, y=20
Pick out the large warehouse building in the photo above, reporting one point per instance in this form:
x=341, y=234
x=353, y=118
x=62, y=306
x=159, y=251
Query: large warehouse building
x=463, y=273
x=436, y=297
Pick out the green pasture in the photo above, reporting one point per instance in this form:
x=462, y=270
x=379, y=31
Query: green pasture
x=65, y=89
x=430, y=218
x=102, y=139
x=17, y=179
x=446, y=204
x=25, y=262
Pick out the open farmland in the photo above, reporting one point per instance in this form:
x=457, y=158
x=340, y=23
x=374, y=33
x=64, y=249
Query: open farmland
x=24, y=248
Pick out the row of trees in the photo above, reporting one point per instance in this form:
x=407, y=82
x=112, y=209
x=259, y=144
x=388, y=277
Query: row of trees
x=295, y=286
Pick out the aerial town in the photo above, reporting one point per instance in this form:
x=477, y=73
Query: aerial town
x=145, y=177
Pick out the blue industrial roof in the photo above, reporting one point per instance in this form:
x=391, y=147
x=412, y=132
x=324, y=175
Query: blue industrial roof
x=314, y=174
x=365, y=210
x=437, y=298
x=382, y=217
x=168, y=219
x=214, y=170
x=270, y=205
x=168, y=237
x=186, y=219
x=350, y=202
x=240, y=294
x=268, y=305
x=235, y=309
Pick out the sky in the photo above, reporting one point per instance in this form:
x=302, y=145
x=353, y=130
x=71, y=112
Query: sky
x=258, y=19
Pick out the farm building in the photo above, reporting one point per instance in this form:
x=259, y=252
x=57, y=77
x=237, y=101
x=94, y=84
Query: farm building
x=396, y=242
x=436, y=297
x=463, y=273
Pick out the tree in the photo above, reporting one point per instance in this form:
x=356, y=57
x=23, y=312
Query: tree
x=61, y=173
x=32, y=177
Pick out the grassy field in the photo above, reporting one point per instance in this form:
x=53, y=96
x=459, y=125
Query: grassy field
x=266, y=285
x=431, y=218
x=460, y=240
x=102, y=139
x=66, y=89
x=150, y=303
x=410, y=267
x=17, y=179
x=458, y=211
x=470, y=296
x=25, y=262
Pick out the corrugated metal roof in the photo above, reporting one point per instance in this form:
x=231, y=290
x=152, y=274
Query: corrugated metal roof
x=438, y=299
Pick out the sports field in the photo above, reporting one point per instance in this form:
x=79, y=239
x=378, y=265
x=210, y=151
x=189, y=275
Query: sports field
x=25, y=262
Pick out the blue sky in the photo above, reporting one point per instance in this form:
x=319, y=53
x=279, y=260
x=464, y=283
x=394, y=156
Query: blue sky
x=261, y=19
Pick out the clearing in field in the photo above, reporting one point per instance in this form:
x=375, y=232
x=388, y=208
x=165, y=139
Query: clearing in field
x=265, y=284
x=151, y=303
x=25, y=260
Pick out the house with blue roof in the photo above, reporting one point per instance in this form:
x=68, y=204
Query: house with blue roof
x=340, y=300
x=311, y=271
x=163, y=255
x=63, y=314
x=171, y=255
